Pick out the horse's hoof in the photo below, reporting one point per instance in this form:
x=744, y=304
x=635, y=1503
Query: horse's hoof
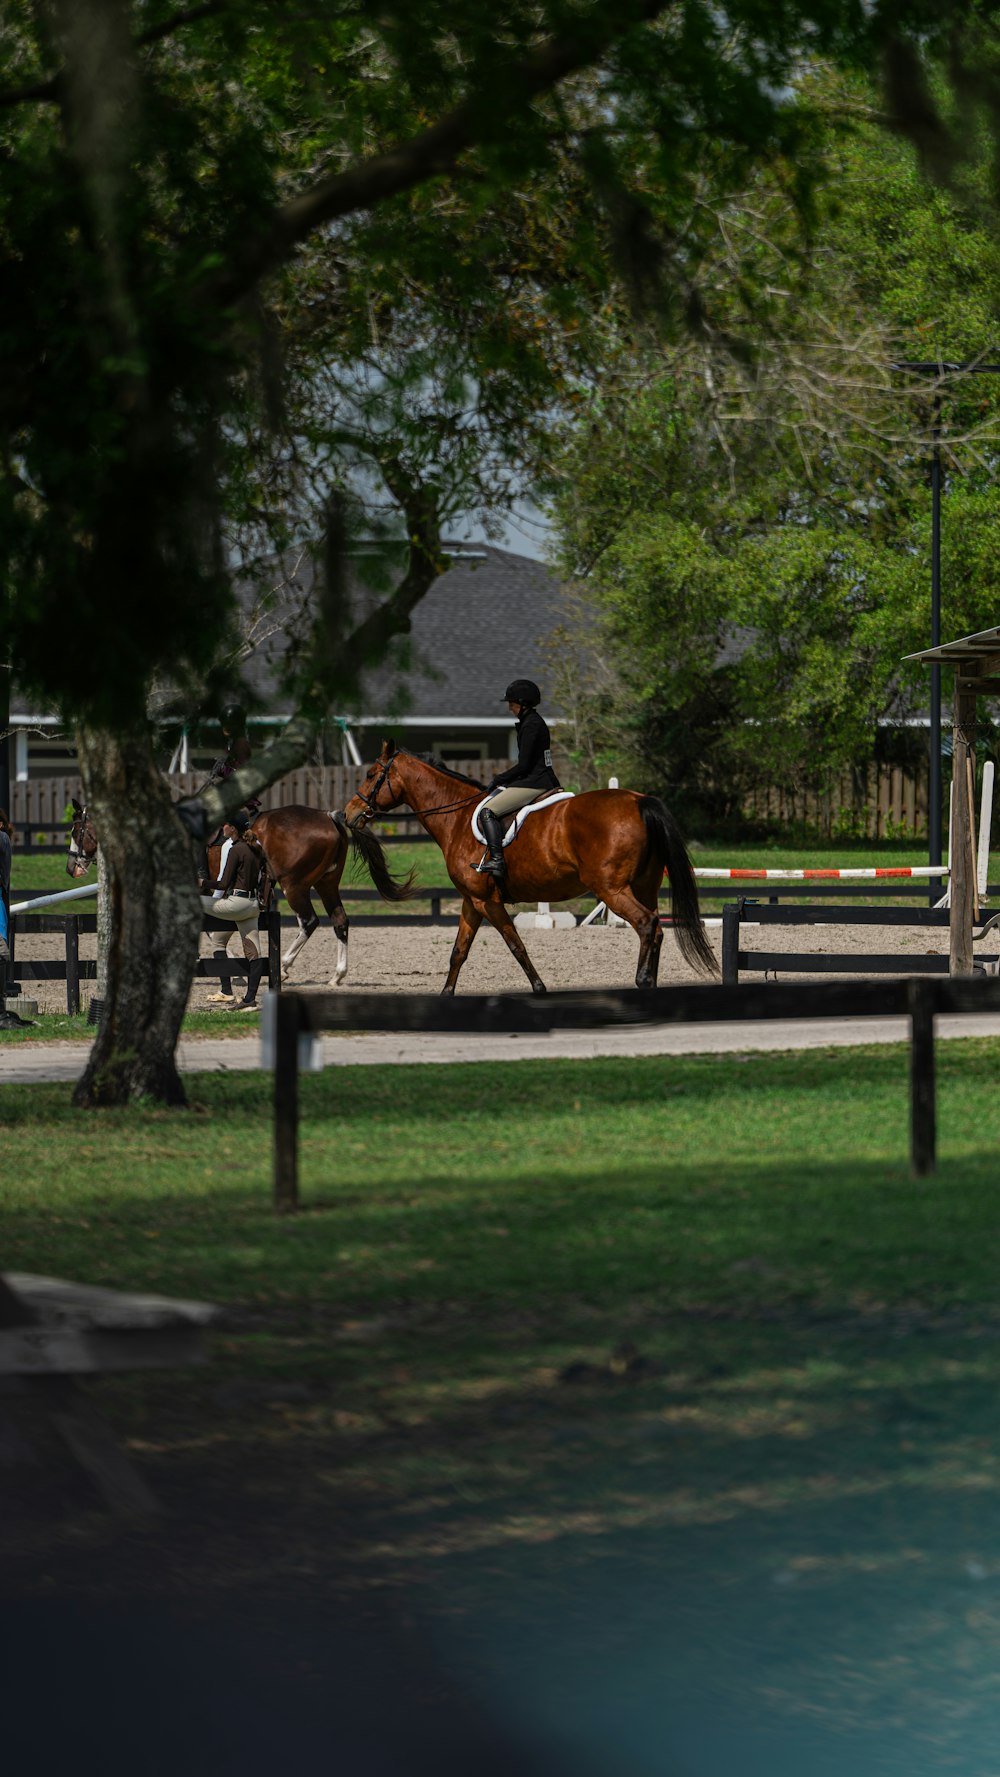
x=539, y=987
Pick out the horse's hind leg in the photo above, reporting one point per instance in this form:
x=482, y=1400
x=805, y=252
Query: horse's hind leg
x=498, y=916
x=328, y=889
x=302, y=907
x=470, y=920
x=645, y=922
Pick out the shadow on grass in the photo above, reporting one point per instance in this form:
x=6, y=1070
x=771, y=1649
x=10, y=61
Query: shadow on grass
x=680, y=1463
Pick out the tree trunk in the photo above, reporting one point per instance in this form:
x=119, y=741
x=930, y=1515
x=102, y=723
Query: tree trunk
x=156, y=921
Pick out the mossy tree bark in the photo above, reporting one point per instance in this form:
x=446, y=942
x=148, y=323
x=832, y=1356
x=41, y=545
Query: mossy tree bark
x=155, y=922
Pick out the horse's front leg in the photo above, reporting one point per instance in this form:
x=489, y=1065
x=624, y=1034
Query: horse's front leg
x=470, y=920
x=499, y=917
x=302, y=907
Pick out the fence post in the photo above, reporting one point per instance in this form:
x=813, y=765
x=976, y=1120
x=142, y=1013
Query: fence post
x=286, y=1104
x=731, y=914
x=274, y=951
x=73, y=965
x=922, y=996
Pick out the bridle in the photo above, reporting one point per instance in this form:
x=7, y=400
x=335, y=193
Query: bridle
x=371, y=800
x=78, y=856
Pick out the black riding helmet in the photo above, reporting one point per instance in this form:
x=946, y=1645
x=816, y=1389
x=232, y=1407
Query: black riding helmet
x=234, y=718
x=523, y=691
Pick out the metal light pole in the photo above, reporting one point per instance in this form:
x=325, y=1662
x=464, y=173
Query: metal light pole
x=934, y=770
x=938, y=369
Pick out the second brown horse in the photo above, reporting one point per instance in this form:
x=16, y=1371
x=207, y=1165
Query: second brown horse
x=305, y=849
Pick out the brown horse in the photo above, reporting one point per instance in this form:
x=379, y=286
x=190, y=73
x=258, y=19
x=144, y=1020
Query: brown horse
x=303, y=849
x=614, y=844
x=82, y=842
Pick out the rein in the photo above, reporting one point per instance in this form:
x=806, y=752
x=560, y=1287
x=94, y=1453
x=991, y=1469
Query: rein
x=384, y=778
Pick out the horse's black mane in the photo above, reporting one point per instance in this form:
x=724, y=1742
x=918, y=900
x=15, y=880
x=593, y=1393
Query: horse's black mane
x=439, y=765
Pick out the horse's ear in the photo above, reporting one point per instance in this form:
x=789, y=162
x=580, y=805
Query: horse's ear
x=388, y=747
x=77, y=810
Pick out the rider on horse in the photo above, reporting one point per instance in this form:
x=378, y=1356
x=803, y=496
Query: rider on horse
x=522, y=782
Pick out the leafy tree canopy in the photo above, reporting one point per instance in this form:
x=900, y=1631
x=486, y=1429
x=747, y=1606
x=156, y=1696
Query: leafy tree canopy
x=165, y=169
x=755, y=530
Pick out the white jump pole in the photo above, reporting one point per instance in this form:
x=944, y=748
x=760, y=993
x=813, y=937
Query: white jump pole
x=51, y=900
x=985, y=828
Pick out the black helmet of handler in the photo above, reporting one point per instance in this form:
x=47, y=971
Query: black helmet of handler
x=521, y=782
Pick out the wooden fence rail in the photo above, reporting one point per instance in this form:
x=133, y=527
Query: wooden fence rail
x=820, y=962
x=72, y=968
x=294, y=1014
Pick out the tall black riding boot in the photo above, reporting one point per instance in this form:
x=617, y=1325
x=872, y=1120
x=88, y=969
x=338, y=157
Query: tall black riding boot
x=249, y=1004
x=493, y=828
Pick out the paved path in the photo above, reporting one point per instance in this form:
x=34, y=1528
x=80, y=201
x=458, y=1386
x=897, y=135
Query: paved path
x=64, y=1061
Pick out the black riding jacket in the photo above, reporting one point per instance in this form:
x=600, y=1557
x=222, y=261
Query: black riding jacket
x=242, y=870
x=534, y=756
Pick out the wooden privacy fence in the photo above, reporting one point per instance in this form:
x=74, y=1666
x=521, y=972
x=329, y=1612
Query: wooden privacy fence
x=38, y=806
x=291, y=1015
x=877, y=801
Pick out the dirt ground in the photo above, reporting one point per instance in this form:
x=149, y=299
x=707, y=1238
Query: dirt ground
x=391, y=957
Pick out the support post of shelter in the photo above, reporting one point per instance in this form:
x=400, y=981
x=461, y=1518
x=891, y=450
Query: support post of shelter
x=962, y=860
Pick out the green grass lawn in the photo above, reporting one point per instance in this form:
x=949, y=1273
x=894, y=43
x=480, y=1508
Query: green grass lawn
x=635, y=1377
x=654, y=1176
x=59, y=1027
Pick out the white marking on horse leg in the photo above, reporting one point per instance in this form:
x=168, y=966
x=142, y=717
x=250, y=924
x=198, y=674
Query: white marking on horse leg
x=301, y=937
x=341, y=969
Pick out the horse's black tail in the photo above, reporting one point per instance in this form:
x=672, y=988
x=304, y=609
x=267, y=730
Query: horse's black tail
x=670, y=851
x=368, y=851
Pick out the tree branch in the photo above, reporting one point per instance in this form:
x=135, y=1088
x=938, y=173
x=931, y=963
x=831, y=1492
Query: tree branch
x=478, y=119
x=50, y=90
x=367, y=643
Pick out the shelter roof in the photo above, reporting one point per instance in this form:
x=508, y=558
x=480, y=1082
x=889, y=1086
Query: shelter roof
x=965, y=651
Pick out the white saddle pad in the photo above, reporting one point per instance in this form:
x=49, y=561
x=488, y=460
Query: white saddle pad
x=521, y=816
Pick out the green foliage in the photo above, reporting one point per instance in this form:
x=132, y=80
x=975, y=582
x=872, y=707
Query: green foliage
x=756, y=535
x=183, y=193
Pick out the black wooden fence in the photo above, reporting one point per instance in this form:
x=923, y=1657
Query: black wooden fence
x=818, y=962
x=294, y=1014
x=72, y=968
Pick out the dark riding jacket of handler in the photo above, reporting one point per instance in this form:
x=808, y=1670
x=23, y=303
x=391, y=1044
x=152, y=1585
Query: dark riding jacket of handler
x=531, y=775
x=237, y=901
